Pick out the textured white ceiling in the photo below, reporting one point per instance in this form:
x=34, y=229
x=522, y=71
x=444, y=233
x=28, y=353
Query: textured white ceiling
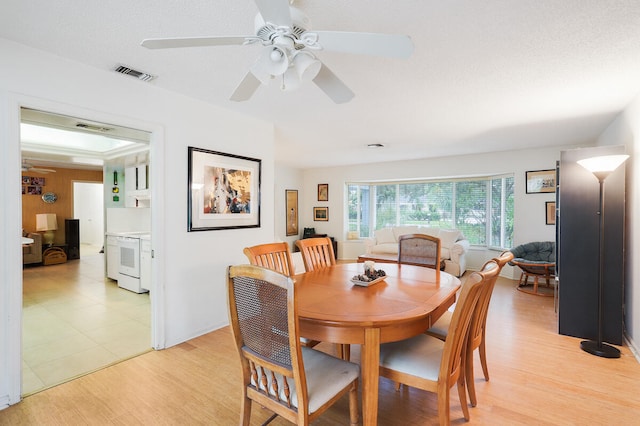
x=485, y=75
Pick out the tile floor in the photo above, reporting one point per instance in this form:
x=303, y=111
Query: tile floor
x=76, y=321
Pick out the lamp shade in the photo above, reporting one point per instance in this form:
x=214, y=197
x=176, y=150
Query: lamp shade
x=46, y=222
x=603, y=164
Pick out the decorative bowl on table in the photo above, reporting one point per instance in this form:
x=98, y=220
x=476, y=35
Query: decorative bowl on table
x=369, y=278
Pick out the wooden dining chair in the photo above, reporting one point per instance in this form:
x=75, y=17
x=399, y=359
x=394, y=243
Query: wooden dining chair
x=316, y=252
x=421, y=250
x=274, y=256
x=278, y=373
x=478, y=329
x=277, y=257
x=431, y=364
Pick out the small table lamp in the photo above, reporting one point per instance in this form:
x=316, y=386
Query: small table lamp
x=47, y=222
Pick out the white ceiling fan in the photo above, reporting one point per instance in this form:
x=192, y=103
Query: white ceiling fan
x=290, y=47
x=26, y=167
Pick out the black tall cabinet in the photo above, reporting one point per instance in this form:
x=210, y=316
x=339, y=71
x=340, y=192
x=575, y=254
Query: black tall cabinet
x=577, y=247
x=72, y=238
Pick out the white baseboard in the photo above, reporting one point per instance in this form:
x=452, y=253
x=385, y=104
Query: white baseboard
x=635, y=350
x=4, y=402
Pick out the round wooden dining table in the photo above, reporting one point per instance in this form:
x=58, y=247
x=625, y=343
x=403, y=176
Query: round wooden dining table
x=406, y=303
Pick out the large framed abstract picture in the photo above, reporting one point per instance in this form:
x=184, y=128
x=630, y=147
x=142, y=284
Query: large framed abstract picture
x=224, y=191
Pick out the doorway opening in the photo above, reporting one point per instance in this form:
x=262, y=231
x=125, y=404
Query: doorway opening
x=75, y=319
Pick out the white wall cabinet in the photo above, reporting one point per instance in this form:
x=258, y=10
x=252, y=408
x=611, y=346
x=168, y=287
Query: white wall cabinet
x=136, y=181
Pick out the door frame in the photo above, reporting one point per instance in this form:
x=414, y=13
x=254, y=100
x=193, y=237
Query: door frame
x=11, y=259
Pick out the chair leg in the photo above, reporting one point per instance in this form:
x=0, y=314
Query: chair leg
x=353, y=405
x=343, y=351
x=468, y=373
x=443, y=404
x=462, y=394
x=483, y=359
x=245, y=411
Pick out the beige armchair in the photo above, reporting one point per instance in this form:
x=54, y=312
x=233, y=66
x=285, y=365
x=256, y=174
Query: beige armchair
x=32, y=253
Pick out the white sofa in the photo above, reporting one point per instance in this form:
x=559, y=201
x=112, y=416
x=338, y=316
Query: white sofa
x=454, y=245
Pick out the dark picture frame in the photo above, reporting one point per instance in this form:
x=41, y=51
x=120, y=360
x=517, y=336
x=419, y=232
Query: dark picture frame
x=291, y=209
x=321, y=214
x=550, y=212
x=540, y=181
x=224, y=191
x=323, y=192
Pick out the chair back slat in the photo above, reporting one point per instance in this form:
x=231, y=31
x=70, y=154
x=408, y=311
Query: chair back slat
x=274, y=256
x=316, y=253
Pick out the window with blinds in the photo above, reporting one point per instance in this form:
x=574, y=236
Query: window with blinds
x=482, y=208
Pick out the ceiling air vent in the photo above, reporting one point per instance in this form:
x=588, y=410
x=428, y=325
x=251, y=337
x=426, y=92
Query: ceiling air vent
x=134, y=73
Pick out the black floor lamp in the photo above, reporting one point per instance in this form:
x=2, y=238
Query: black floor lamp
x=601, y=167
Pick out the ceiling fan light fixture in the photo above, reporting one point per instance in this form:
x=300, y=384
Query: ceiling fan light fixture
x=306, y=65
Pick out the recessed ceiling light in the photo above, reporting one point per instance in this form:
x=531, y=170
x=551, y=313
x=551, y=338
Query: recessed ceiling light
x=375, y=145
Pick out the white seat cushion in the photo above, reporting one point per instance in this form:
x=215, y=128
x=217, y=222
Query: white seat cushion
x=419, y=356
x=326, y=376
x=441, y=327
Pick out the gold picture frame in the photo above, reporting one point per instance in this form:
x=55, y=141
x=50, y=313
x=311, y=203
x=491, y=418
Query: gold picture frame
x=323, y=192
x=550, y=212
x=321, y=214
x=291, y=201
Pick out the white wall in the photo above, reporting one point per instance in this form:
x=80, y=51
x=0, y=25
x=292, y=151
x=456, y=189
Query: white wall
x=625, y=130
x=530, y=224
x=190, y=267
x=88, y=208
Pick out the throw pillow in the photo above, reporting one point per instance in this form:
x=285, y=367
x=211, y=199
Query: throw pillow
x=434, y=232
x=404, y=230
x=384, y=235
x=448, y=237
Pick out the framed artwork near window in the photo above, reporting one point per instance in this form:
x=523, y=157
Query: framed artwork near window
x=291, y=208
x=321, y=214
x=323, y=192
x=224, y=191
x=550, y=210
x=541, y=181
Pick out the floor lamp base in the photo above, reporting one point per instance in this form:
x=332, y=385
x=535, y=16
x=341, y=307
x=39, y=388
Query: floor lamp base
x=599, y=349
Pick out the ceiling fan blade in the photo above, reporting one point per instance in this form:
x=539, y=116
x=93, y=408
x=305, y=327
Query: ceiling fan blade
x=275, y=11
x=394, y=46
x=246, y=88
x=332, y=86
x=168, y=43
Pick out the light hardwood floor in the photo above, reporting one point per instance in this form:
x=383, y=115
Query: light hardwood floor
x=537, y=377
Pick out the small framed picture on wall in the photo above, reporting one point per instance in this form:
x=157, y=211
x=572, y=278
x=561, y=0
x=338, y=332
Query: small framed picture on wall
x=321, y=214
x=323, y=192
x=291, y=196
x=550, y=209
